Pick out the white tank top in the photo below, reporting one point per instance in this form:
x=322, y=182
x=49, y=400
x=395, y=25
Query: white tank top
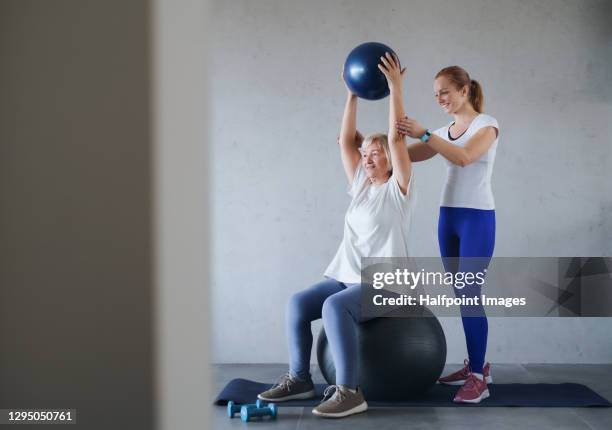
x=470, y=186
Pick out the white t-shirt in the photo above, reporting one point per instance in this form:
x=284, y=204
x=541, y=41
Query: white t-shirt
x=470, y=186
x=376, y=224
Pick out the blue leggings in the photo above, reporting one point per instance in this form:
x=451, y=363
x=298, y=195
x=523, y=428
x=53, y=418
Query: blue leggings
x=467, y=232
x=340, y=306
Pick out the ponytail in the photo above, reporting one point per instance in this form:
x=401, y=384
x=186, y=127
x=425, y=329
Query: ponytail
x=476, y=96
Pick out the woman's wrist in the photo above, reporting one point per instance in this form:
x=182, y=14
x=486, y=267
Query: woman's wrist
x=395, y=87
x=424, y=136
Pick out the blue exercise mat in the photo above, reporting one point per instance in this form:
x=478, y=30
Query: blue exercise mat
x=526, y=395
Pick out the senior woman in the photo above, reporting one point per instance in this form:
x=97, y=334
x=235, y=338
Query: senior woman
x=376, y=225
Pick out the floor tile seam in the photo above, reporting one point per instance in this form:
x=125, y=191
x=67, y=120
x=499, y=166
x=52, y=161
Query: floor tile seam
x=581, y=418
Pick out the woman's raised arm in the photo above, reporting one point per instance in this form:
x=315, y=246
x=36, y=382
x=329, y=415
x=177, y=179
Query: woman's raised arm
x=350, y=139
x=402, y=165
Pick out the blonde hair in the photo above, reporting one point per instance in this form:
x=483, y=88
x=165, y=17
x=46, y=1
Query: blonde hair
x=381, y=138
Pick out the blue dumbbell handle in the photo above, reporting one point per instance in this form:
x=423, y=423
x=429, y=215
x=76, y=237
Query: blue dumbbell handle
x=233, y=408
x=248, y=412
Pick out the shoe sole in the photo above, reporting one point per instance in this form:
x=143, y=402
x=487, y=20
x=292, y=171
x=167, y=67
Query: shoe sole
x=462, y=381
x=458, y=382
x=484, y=395
x=299, y=396
x=362, y=407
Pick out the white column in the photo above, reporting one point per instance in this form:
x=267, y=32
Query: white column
x=180, y=212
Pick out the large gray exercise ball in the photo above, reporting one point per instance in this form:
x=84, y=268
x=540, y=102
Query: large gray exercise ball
x=399, y=357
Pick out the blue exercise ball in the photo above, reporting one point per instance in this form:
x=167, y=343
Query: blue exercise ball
x=361, y=71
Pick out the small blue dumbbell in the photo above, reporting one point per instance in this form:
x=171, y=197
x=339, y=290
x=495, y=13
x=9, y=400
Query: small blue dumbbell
x=233, y=408
x=246, y=413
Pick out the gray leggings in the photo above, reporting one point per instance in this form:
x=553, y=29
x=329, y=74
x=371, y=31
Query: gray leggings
x=340, y=306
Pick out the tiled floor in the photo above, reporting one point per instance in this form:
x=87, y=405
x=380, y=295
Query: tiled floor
x=598, y=377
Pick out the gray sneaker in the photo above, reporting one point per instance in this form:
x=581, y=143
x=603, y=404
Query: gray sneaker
x=339, y=401
x=288, y=388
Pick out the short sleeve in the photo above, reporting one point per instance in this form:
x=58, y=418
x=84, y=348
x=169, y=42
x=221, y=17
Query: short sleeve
x=358, y=178
x=403, y=201
x=486, y=121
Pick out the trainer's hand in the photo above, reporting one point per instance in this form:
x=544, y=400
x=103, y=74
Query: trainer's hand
x=410, y=127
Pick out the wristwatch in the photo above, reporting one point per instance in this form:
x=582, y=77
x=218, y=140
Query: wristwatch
x=425, y=136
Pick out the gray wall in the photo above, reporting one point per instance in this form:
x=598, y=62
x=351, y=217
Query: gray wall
x=278, y=191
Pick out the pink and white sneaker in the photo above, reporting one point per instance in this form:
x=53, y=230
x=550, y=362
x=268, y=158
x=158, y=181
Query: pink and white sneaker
x=459, y=377
x=473, y=391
